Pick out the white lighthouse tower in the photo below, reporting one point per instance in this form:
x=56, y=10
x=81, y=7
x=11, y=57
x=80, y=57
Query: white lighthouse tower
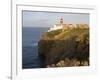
x=58, y=26
x=61, y=21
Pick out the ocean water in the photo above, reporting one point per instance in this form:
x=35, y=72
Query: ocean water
x=30, y=38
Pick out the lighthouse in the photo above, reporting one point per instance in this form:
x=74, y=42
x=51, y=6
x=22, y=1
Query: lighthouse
x=61, y=21
x=60, y=25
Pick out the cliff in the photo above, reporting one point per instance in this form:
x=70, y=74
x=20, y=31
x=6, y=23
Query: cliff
x=62, y=48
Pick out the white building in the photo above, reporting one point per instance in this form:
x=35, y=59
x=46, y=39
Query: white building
x=61, y=25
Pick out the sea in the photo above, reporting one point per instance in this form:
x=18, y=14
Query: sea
x=30, y=38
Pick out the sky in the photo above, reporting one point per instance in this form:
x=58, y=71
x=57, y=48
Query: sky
x=48, y=19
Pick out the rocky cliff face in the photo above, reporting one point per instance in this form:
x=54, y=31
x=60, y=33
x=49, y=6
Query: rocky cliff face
x=62, y=48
